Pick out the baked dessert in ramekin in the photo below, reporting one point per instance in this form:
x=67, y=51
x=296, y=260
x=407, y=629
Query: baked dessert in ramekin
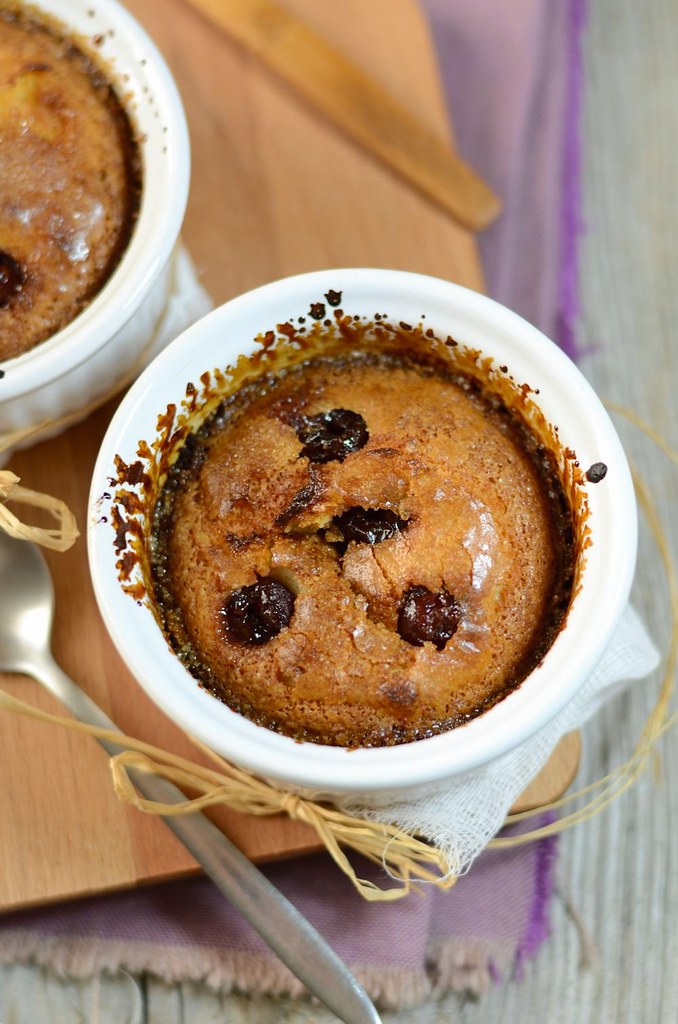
x=71, y=194
x=363, y=548
x=370, y=323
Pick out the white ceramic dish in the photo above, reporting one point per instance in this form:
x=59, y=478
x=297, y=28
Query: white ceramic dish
x=104, y=345
x=566, y=400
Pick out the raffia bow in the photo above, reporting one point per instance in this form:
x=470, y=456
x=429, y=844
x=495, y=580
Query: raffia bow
x=406, y=858
x=59, y=538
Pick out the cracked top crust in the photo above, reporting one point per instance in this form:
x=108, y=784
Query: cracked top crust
x=476, y=514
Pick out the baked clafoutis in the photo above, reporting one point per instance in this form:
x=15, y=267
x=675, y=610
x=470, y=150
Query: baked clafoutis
x=71, y=179
x=362, y=548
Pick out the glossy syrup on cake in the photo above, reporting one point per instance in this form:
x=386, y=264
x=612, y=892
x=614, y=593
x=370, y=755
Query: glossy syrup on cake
x=70, y=179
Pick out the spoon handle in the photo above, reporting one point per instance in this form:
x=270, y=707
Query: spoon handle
x=278, y=921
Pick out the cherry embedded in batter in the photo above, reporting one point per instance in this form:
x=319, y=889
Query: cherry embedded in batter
x=426, y=615
x=331, y=436
x=369, y=525
x=12, y=278
x=255, y=614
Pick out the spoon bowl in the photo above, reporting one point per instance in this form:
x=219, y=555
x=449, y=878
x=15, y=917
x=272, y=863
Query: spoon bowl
x=26, y=605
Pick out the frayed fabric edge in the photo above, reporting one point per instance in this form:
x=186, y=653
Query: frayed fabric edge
x=539, y=924
x=78, y=957
x=470, y=967
x=454, y=966
x=222, y=971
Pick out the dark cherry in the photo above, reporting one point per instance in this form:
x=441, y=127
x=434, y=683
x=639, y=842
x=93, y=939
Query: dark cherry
x=331, y=436
x=253, y=615
x=369, y=525
x=12, y=277
x=596, y=472
x=426, y=615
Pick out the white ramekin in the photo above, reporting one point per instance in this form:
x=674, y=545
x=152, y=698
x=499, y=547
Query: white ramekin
x=104, y=345
x=566, y=400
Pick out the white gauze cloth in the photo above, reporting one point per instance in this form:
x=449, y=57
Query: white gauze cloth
x=461, y=816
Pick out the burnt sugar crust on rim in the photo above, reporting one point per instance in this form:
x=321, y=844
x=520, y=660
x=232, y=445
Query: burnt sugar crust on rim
x=72, y=161
x=358, y=546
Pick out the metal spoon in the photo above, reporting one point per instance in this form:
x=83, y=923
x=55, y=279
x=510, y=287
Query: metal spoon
x=26, y=613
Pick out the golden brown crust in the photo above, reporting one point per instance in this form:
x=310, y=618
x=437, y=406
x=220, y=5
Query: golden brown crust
x=245, y=505
x=71, y=177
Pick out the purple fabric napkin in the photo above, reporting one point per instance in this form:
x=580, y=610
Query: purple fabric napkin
x=512, y=74
x=404, y=952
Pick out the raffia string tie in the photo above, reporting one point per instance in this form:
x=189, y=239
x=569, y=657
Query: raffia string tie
x=59, y=538
x=406, y=858
x=290, y=804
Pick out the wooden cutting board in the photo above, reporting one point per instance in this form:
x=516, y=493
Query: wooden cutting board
x=275, y=191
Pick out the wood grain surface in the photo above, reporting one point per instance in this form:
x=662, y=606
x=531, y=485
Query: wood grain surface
x=275, y=190
x=354, y=102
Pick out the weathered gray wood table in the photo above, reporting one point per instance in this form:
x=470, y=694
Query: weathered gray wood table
x=614, y=948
